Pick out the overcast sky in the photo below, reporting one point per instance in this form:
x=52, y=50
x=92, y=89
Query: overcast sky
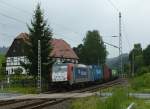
x=71, y=19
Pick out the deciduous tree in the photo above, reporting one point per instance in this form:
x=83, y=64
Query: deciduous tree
x=93, y=50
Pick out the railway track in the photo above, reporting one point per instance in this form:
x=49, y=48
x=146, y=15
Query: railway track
x=82, y=88
x=42, y=103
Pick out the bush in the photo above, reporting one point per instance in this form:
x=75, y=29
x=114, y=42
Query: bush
x=119, y=100
x=141, y=82
x=144, y=70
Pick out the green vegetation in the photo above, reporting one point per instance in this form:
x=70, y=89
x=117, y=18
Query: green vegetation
x=20, y=83
x=21, y=90
x=119, y=100
x=141, y=83
x=93, y=42
x=136, y=58
x=140, y=59
x=142, y=104
x=2, y=57
x=146, y=55
x=39, y=30
x=2, y=71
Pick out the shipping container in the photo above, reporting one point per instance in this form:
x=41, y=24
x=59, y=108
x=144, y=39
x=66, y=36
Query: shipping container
x=110, y=71
x=107, y=73
x=81, y=73
x=97, y=73
x=114, y=73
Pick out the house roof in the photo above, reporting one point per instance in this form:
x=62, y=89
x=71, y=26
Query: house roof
x=61, y=49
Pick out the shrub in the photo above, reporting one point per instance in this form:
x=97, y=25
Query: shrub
x=119, y=100
x=141, y=82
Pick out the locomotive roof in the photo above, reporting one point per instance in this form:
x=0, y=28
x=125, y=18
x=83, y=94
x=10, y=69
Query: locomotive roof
x=61, y=49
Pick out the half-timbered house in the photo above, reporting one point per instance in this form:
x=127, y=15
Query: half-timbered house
x=62, y=52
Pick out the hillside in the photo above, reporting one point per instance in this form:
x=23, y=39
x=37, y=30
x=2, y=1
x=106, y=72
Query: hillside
x=3, y=50
x=114, y=62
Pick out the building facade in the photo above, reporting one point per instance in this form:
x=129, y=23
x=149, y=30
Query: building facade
x=61, y=53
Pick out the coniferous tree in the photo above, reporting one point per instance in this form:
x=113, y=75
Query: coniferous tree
x=39, y=30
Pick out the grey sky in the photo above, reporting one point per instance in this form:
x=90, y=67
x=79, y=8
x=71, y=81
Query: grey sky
x=70, y=19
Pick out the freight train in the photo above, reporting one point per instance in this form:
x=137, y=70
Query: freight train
x=68, y=73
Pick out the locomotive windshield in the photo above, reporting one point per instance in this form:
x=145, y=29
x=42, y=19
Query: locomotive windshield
x=59, y=69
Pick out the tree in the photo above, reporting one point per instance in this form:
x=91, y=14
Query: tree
x=2, y=67
x=39, y=30
x=146, y=55
x=93, y=50
x=77, y=50
x=136, y=57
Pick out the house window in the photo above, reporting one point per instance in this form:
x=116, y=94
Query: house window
x=6, y=72
x=11, y=59
x=12, y=70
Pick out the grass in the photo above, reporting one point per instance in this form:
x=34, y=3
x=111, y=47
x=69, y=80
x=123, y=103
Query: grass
x=21, y=90
x=140, y=83
x=142, y=104
x=119, y=100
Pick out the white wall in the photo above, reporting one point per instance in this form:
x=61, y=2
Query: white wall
x=13, y=63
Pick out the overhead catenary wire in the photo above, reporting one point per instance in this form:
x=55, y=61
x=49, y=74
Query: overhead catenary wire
x=66, y=28
x=118, y=10
x=12, y=18
x=24, y=11
x=21, y=10
x=14, y=7
x=124, y=27
x=113, y=5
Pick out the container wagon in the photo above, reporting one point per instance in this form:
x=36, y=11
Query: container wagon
x=68, y=73
x=114, y=74
x=97, y=73
x=106, y=73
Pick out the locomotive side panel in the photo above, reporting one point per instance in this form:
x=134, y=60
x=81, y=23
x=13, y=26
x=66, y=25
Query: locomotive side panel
x=70, y=73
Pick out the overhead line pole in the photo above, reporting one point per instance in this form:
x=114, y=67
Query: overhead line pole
x=39, y=67
x=120, y=44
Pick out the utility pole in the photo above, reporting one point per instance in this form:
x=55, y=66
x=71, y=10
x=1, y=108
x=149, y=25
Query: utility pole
x=39, y=67
x=133, y=62
x=120, y=44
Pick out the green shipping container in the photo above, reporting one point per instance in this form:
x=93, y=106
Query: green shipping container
x=114, y=73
